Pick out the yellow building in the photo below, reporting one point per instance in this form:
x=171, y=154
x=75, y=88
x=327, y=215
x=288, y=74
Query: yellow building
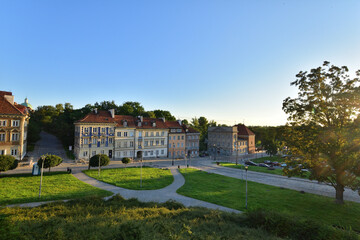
x=14, y=120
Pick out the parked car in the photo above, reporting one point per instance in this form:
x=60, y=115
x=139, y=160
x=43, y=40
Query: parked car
x=267, y=161
x=263, y=165
x=275, y=163
x=250, y=163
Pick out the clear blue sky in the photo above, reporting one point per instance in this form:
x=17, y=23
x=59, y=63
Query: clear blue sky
x=230, y=61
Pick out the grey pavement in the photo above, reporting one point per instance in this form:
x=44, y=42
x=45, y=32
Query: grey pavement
x=160, y=195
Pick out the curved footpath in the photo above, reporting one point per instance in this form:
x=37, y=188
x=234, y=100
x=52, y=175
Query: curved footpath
x=298, y=184
x=160, y=195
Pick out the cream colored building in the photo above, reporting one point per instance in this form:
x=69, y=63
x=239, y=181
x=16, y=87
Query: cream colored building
x=14, y=120
x=95, y=134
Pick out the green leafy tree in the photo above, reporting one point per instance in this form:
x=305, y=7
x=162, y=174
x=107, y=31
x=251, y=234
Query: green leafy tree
x=323, y=129
x=7, y=163
x=104, y=160
x=49, y=161
x=271, y=147
x=166, y=114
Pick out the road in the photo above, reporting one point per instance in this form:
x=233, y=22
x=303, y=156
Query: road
x=50, y=144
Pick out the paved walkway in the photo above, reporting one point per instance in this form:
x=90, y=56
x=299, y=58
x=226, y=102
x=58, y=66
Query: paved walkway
x=160, y=195
x=294, y=183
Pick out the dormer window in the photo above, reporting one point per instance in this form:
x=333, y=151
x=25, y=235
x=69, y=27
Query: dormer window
x=125, y=123
x=178, y=130
x=139, y=124
x=154, y=124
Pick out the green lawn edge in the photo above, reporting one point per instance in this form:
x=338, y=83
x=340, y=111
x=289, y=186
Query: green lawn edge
x=230, y=192
x=129, y=177
x=24, y=188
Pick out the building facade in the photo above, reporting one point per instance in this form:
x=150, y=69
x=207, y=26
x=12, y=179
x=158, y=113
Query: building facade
x=120, y=136
x=192, y=138
x=95, y=134
x=14, y=120
x=231, y=140
x=177, y=140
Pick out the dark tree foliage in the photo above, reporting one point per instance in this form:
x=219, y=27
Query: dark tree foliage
x=7, y=162
x=323, y=130
x=49, y=161
x=104, y=160
x=125, y=160
x=166, y=114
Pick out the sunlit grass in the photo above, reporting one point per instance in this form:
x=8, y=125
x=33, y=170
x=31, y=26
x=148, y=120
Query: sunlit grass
x=152, y=178
x=230, y=192
x=24, y=188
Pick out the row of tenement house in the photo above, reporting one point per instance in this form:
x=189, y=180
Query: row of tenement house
x=118, y=136
x=231, y=140
x=14, y=120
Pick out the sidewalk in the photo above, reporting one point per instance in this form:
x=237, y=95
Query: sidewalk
x=160, y=195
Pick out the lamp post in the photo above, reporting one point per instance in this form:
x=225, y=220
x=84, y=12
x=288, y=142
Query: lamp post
x=237, y=153
x=42, y=171
x=141, y=170
x=246, y=168
x=99, y=165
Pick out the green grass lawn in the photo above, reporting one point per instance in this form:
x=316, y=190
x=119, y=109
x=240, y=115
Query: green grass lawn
x=152, y=178
x=253, y=168
x=230, y=192
x=272, y=158
x=23, y=188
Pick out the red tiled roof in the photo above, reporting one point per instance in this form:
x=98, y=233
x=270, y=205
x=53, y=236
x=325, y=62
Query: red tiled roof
x=243, y=130
x=3, y=93
x=101, y=117
x=121, y=118
x=147, y=123
x=6, y=107
x=189, y=129
x=22, y=108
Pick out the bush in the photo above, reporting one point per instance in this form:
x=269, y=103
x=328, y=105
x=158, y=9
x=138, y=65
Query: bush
x=7, y=162
x=284, y=226
x=94, y=160
x=125, y=160
x=49, y=161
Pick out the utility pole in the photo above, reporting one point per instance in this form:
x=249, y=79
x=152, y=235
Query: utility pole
x=42, y=171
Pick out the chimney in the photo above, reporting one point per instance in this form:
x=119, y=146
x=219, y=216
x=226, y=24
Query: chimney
x=95, y=110
x=9, y=98
x=112, y=112
x=179, y=121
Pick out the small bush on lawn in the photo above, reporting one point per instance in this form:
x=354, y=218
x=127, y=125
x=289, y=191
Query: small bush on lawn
x=104, y=160
x=49, y=161
x=125, y=160
x=283, y=225
x=7, y=162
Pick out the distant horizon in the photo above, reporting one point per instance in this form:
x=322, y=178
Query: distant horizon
x=231, y=62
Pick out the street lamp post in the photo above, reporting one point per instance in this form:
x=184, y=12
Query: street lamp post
x=99, y=165
x=237, y=153
x=141, y=160
x=42, y=171
x=246, y=168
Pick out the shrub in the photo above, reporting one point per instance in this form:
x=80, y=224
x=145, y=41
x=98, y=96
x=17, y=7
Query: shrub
x=125, y=160
x=283, y=225
x=7, y=162
x=49, y=161
x=94, y=160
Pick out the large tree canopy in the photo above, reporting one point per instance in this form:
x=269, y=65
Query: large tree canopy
x=323, y=131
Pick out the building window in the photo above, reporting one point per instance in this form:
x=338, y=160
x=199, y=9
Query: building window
x=119, y=134
x=15, y=123
x=86, y=130
x=111, y=130
x=15, y=137
x=182, y=144
x=162, y=151
x=140, y=134
x=151, y=143
x=2, y=123
x=146, y=143
x=157, y=152
x=103, y=141
x=2, y=137
x=85, y=153
x=2, y=152
x=86, y=141
x=157, y=142
x=151, y=153
x=146, y=134
x=95, y=130
x=103, y=130
x=125, y=134
x=162, y=142
x=157, y=134
x=125, y=154
x=178, y=137
x=169, y=145
x=13, y=152
x=131, y=134
x=145, y=153
x=162, y=133
x=152, y=134
x=110, y=140
x=178, y=144
x=94, y=141
x=125, y=144
x=131, y=144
